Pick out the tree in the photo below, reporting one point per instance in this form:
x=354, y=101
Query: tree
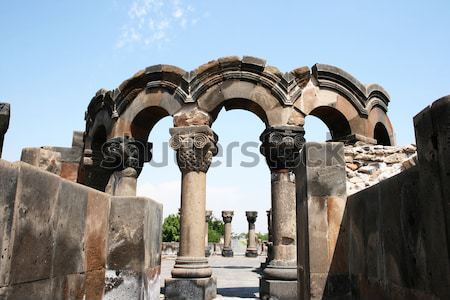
x=262, y=236
x=216, y=229
x=171, y=228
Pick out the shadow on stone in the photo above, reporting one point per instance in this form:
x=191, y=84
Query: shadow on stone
x=231, y=267
x=241, y=292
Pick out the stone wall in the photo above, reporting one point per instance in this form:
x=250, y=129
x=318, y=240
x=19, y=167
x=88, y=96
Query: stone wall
x=388, y=241
x=387, y=248
x=367, y=165
x=62, y=161
x=62, y=240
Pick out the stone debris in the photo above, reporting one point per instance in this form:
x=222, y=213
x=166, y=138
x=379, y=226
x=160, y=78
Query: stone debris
x=367, y=165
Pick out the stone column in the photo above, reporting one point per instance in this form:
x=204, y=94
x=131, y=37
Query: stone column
x=281, y=146
x=251, y=251
x=191, y=275
x=207, y=219
x=125, y=157
x=4, y=123
x=227, y=216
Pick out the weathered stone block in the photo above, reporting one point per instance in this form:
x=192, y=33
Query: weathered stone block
x=277, y=289
x=44, y=159
x=36, y=198
x=56, y=237
x=8, y=186
x=190, y=289
x=321, y=200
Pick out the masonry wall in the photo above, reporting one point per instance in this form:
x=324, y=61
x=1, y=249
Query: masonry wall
x=62, y=240
x=393, y=237
x=387, y=248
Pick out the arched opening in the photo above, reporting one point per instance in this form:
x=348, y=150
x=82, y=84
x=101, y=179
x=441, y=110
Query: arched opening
x=98, y=139
x=239, y=178
x=241, y=104
x=145, y=120
x=381, y=135
x=160, y=178
x=316, y=130
x=97, y=177
x=335, y=121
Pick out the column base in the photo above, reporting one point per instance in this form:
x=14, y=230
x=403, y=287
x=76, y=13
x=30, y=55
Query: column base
x=277, y=289
x=191, y=267
x=208, y=252
x=251, y=253
x=190, y=288
x=227, y=253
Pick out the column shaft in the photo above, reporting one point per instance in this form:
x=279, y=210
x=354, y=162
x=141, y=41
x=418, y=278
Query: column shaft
x=284, y=217
x=227, y=217
x=193, y=199
x=251, y=251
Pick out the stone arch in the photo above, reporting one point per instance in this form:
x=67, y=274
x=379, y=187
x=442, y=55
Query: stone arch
x=142, y=114
x=247, y=83
x=381, y=135
x=378, y=117
x=336, y=122
x=319, y=103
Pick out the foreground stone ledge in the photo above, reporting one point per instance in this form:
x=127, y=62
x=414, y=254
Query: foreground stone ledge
x=278, y=289
x=190, y=289
x=62, y=240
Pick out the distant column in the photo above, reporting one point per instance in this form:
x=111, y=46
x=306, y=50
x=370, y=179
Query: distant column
x=207, y=219
x=251, y=251
x=227, y=216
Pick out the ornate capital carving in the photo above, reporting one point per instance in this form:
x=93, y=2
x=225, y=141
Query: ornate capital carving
x=227, y=216
x=4, y=117
x=281, y=146
x=124, y=152
x=208, y=216
x=251, y=216
x=195, y=146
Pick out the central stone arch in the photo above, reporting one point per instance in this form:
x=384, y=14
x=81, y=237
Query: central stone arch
x=119, y=122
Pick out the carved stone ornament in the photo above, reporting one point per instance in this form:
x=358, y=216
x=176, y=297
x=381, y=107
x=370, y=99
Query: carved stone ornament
x=195, y=146
x=251, y=216
x=227, y=216
x=281, y=146
x=124, y=152
x=4, y=117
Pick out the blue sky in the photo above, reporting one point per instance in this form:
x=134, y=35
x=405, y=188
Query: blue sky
x=54, y=56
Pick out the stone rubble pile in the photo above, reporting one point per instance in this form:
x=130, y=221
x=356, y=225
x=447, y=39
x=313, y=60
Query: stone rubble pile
x=367, y=165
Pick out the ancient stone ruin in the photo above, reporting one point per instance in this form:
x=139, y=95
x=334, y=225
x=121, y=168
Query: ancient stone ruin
x=68, y=213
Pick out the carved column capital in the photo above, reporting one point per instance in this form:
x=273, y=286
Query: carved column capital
x=4, y=117
x=281, y=146
x=227, y=216
x=208, y=215
x=195, y=146
x=120, y=153
x=251, y=216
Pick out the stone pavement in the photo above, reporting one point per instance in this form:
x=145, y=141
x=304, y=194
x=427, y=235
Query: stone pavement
x=237, y=277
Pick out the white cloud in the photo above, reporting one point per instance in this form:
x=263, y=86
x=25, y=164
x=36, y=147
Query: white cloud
x=155, y=22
